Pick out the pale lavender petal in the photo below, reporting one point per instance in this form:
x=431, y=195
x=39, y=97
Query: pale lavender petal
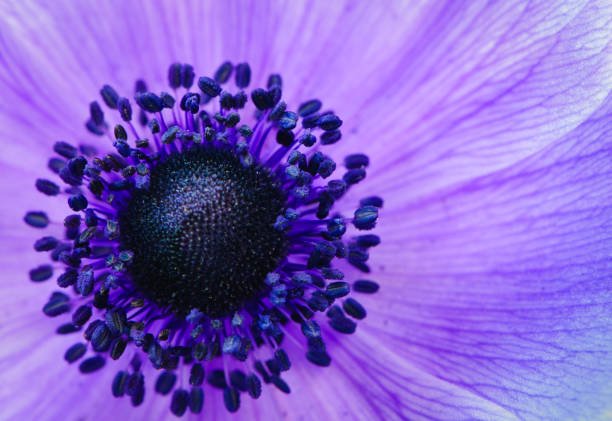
x=477, y=88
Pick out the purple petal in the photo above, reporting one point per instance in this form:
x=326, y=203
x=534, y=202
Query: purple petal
x=495, y=189
x=502, y=289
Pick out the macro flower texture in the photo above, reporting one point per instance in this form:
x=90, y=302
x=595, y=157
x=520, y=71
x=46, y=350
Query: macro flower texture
x=306, y=210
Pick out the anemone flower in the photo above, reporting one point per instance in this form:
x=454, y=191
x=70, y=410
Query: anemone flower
x=216, y=178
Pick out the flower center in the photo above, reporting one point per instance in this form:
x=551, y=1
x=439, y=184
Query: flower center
x=202, y=234
x=205, y=238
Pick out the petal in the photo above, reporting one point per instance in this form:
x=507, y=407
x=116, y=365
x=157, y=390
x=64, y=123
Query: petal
x=542, y=70
x=478, y=87
x=503, y=285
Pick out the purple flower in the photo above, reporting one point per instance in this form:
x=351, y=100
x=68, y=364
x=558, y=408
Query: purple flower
x=485, y=128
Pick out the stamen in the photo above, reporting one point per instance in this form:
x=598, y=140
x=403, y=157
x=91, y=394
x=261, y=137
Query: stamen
x=224, y=72
x=36, y=219
x=209, y=86
x=180, y=401
x=92, y=364
x=110, y=96
x=41, y=273
x=243, y=75
x=196, y=400
x=365, y=286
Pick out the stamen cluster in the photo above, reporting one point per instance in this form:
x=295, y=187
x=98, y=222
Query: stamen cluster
x=200, y=245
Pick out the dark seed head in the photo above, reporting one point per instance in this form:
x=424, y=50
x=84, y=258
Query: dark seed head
x=202, y=234
x=45, y=243
x=329, y=122
x=365, y=217
x=77, y=202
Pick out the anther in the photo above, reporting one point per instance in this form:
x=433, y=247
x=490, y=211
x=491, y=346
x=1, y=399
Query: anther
x=372, y=201
x=331, y=137
x=47, y=187
x=150, y=102
x=275, y=80
x=165, y=382
x=354, y=176
x=81, y=315
x=167, y=100
x=97, y=115
x=36, y=219
x=196, y=400
x=75, y=352
x=41, y=273
x=197, y=375
x=110, y=96
x=45, y=243
x=354, y=309
x=119, y=384
x=231, y=399
x=365, y=286
x=309, y=107
x=224, y=72
x=243, y=75
x=365, y=217
x=92, y=364
x=174, y=75
x=77, y=202
x=209, y=86
x=187, y=76
x=125, y=109
x=329, y=122
x=356, y=161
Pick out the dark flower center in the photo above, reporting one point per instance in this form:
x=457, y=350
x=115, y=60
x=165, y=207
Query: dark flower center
x=202, y=234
